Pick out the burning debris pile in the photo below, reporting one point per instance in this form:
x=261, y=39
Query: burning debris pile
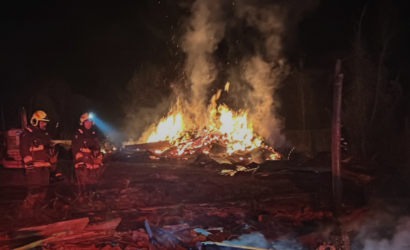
x=227, y=136
x=197, y=125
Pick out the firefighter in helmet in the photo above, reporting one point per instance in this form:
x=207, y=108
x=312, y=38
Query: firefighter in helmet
x=38, y=154
x=87, y=156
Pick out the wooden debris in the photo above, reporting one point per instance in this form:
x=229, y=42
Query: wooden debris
x=109, y=225
x=159, y=236
x=46, y=230
x=357, y=177
x=326, y=247
x=107, y=247
x=82, y=236
x=231, y=172
x=271, y=167
x=161, y=145
x=41, y=242
x=77, y=246
x=216, y=245
x=175, y=227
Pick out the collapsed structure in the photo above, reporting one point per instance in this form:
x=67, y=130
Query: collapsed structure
x=227, y=136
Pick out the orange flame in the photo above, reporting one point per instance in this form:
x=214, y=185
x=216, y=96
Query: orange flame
x=170, y=127
x=225, y=126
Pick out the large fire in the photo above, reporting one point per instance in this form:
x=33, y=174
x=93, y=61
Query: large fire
x=170, y=127
x=225, y=127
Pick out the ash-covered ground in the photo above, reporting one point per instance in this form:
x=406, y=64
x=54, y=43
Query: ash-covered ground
x=279, y=200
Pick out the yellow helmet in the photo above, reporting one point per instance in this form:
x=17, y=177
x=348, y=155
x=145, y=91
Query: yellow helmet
x=86, y=117
x=39, y=115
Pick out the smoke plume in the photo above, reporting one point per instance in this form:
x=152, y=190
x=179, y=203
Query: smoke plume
x=262, y=69
x=260, y=100
x=205, y=30
x=265, y=70
x=250, y=240
x=146, y=100
x=384, y=231
x=141, y=122
x=258, y=240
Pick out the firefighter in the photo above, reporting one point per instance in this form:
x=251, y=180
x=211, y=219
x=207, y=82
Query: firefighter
x=87, y=157
x=39, y=156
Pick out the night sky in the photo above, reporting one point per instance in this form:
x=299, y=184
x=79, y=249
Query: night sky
x=93, y=48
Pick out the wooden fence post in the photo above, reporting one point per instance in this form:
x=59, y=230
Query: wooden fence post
x=336, y=136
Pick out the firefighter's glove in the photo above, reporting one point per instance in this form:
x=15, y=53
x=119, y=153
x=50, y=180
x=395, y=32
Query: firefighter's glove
x=42, y=164
x=53, y=159
x=85, y=150
x=30, y=167
x=28, y=160
x=80, y=165
x=98, y=160
x=53, y=153
x=78, y=156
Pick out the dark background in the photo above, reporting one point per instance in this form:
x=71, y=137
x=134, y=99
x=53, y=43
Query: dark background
x=89, y=49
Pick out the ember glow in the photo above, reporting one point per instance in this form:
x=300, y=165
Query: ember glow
x=226, y=127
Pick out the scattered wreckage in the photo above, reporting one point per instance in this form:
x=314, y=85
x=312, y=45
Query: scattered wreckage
x=81, y=234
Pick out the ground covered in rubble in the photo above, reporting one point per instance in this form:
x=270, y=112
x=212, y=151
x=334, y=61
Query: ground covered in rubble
x=271, y=202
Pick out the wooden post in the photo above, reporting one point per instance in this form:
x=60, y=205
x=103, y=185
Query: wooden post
x=23, y=118
x=336, y=136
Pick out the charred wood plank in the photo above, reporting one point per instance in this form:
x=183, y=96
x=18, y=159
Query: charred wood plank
x=108, y=225
x=152, y=146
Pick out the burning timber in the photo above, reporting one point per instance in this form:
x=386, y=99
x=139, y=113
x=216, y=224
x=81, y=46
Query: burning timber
x=196, y=148
x=259, y=161
x=225, y=135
